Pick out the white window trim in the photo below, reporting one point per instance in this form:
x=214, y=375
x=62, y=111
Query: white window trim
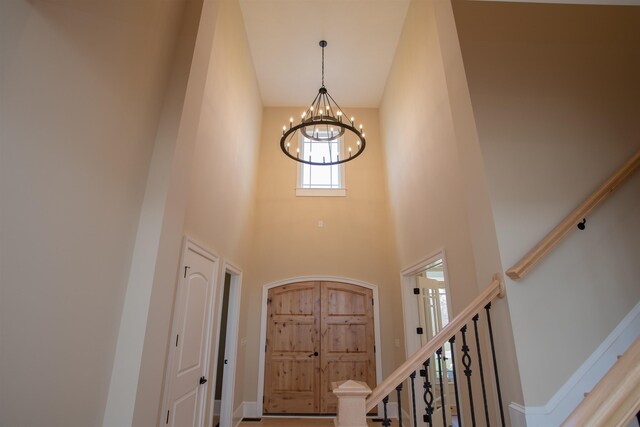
x=321, y=192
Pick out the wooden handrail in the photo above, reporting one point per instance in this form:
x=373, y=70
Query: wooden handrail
x=495, y=289
x=615, y=400
x=555, y=236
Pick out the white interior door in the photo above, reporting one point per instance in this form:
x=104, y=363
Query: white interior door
x=189, y=359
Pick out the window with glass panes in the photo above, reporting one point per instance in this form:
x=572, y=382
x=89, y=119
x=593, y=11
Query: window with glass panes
x=321, y=176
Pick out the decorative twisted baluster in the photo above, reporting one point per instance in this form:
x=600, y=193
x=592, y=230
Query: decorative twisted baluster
x=412, y=376
x=466, y=361
x=443, y=403
x=452, y=340
x=385, y=421
x=428, y=395
x=484, y=391
x=399, y=392
x=495, y=365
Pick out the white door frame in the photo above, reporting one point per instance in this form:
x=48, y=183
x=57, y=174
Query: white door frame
x=231, y=345
x=409, y=305
x=410, y=310
x=263, y=323
x=190, y=244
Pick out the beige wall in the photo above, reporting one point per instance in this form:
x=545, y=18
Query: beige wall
x=81, y=96
x=437, y=182
x=556, y=99
x=223, y=174
x=356, y=241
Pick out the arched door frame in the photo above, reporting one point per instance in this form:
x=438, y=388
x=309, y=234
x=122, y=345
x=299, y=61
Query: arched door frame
x=263, y=323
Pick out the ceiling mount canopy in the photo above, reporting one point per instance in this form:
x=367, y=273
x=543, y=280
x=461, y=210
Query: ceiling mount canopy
x=321, y=125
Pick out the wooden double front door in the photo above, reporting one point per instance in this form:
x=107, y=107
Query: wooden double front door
x=317, y=333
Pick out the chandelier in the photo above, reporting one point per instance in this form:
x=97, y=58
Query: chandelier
x=321, y=126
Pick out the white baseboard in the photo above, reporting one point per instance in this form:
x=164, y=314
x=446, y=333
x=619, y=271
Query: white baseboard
x=251, y=410
x=238, y=414
x=583, y=379
x=517, y=415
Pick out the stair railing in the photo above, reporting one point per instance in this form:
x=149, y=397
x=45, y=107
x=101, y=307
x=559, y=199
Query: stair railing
x=575, y=218
x=355, y=399
x=615, y=400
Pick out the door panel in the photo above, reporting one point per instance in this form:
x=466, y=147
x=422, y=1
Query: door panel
x=347, y=338
x=192, y=317
x=292, y=374
x=184, y=409
x=194, y=322
x=317, y=333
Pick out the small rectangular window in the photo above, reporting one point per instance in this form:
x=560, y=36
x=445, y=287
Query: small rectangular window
x=320, y=177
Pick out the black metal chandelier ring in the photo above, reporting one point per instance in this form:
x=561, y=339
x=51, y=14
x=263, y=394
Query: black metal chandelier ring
x=314, y=121
x=343, y=126
x=323, y=122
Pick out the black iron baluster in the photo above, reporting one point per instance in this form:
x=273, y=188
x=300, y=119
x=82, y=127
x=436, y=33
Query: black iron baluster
x=495, y=365
x=385, y=420
x=413, y=398
x=398, y=391
x=428, y=395
x=466, y=361
x=455, y=378
x=484, y=390
x=443, y=403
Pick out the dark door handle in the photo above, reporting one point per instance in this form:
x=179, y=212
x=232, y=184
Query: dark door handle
x=314, y=354
x=225, y=361
x=203, y=380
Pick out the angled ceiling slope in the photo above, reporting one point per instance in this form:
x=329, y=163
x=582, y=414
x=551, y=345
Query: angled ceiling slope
x=284, y=34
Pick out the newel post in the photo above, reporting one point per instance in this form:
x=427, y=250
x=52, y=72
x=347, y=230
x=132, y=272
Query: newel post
x=351, y=403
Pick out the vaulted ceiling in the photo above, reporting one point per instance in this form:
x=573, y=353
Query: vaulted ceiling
x=362, y=36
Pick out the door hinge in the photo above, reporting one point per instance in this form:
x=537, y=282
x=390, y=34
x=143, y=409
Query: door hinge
x=419, y=331
x=372, y=301
x=416, y=291
x=167, y=422
x=374, y=348
x=177, y=336
x=268, y=300
x=186, y=267
x=265, y=348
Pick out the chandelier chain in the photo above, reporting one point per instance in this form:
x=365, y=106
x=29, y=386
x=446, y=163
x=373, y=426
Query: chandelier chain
x=322, y=66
